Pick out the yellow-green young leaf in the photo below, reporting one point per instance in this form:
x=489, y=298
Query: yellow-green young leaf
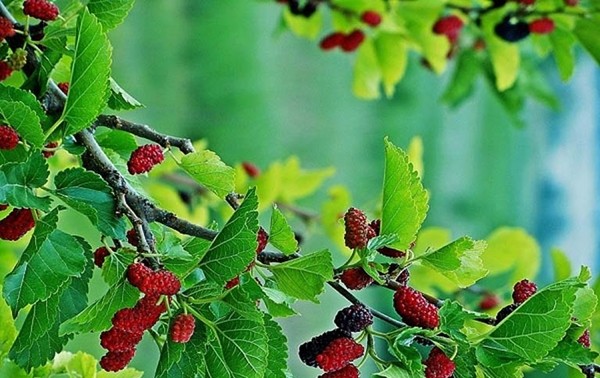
x=561, y=264
x=367, y=73
x=269, y=185
x=424, y=278
x=419, y=17
x=8, y=331
x=304, y=278
x=332, y=211
x=405, y=201
x=392, y=54
x=585, y=305
x=110, y=13
x=504, y=55
x=415, y=154
x=297, y=183
x=512, y=249
x=24, y=120
x=361, y=5
x=81, y=364
x=125, y=373
x=460, y=261
x=302, y=26
x=207, y=168
x=562, y=44
x=281, y=234
x=586, y=31
x=89, y=74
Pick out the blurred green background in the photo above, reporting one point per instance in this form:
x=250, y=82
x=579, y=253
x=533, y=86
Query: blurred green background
x=218, y=70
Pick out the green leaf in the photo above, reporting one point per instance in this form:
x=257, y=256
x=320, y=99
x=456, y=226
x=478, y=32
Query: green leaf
x=462, y=85
x=305, y=277
x=24, y=120
x=405, y=201
x=281, y=234
x=110, y=13
x=409, y=358
x=586, y=31
x=367, y=73
x=570, y=352
x=207, y=168
x=392, y=55
x=18, y=179
x=119, y=99
x=561, y=264
x=298, y=182
x=179, y=360
x=8, y=331
x=302, y=26
x=585, y=306
x=460, y=261
x=562, y=47
x=87, y=193
x=13, y=94
x=97, y=317
x=38, y=80
x=394, y=371
x=50, y=259
x=119, y=141
x=115, y=265
x=277, y=346
x=235, y=246
x=452, y=320
x=238, y=348
x=89, y=74
x=278, y=303
x=465, y=361
x=504, y=55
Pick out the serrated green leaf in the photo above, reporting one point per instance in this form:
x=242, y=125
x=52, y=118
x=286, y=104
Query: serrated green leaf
x=585, y=305
x=305, y=277
x=367, y=73
x=89, y=74
x=462, y=84
x=110, y=13
x=18, y=179
x=460, y=261
x=204, y=290
x=97, y=317
x=586, y=31
x=394, y=371
x=392, y=55
x=405, y=201
x=38, y=80
x=238, y=348
x=505, y=56
x=572, y=353
x=50, y=259
x=119, y=141
x=235, y=246
x=452, y=320
x=82, y=364
x=207, y=168
x=119, y=99
x=86, y=192
x=24, y=120
x=281, y=234
x=562, y=46
x=277, y=349
x=465, y=361
x=278, y=303
x=13, y=94
x=8, y=331
x=115, y=265
x=408, y=357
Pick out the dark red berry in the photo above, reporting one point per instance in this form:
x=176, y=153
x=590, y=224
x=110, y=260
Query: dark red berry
x=541, y=26
x=64, y=87
x=137, y=273
x=9, y=139
x=118, y=340
x=232, y=283
x=40, y=9
x=353, y=40
x=414, y=309
x=403, y=278
x=354, y=318
x=371, y=18
x=132, y=237
x=523, y=290
x=584, y=339
x=262, y=238
x=251, y=169
x=115, y=361
x=7, y=29
x=356, y=278
x=309, y=351
x=49, y=149
x=350, y=371
x=331, y=41
x=148, y=310
x=161, y=282
x=144, y=158
x=100, y=255
x=489, y=301
x=505, y=311
x=5, y=70
x=355, y=223
x=450, y=26
x=438, y=365
x=3, y=206
x=183, y=328
x=16, y=224
x=339, y=353
x=128, y=320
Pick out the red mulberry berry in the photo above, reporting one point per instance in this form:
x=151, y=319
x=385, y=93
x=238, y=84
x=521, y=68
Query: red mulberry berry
x=132, y=237
x=584, y=339
x=100, y=255
x=354, y=318
x=356, y=278
x=309, y=351
x=542, y=26
x=438, y=365
x=371, y=18
x=115, y=361
x=355, y=222
x=5, y=70
x=339, y=353
x=128, y=319
x=350, y=371
x=251, y=169
x=64, y=87
x=118, y=340
x=148, y=312
x=3, y=206
x=489, y=301
x=414, y=309
x=40, y=9
x=331, y=41
x=353, y=40
x=183, y=328
x=505, y=311
x=144, y=158
x=7, y=29
x=403, y=278
x=50, y=149
x=16, y=224
x=9, y=139
x=161, y=282
x=232, y=283
x=523, y=290
x=262, y=238
x=137, y=273
x=450, y=26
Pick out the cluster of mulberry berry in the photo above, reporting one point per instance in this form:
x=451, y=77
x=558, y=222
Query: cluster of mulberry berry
x=7, y=29
x=522, y=291
x=16, y=224
x=414, y=308
x=41, y=9
x=349, y=42
x=358, y=232
x=438, y=365
x=331, y=351
x=149, y=282
x=144, y=158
